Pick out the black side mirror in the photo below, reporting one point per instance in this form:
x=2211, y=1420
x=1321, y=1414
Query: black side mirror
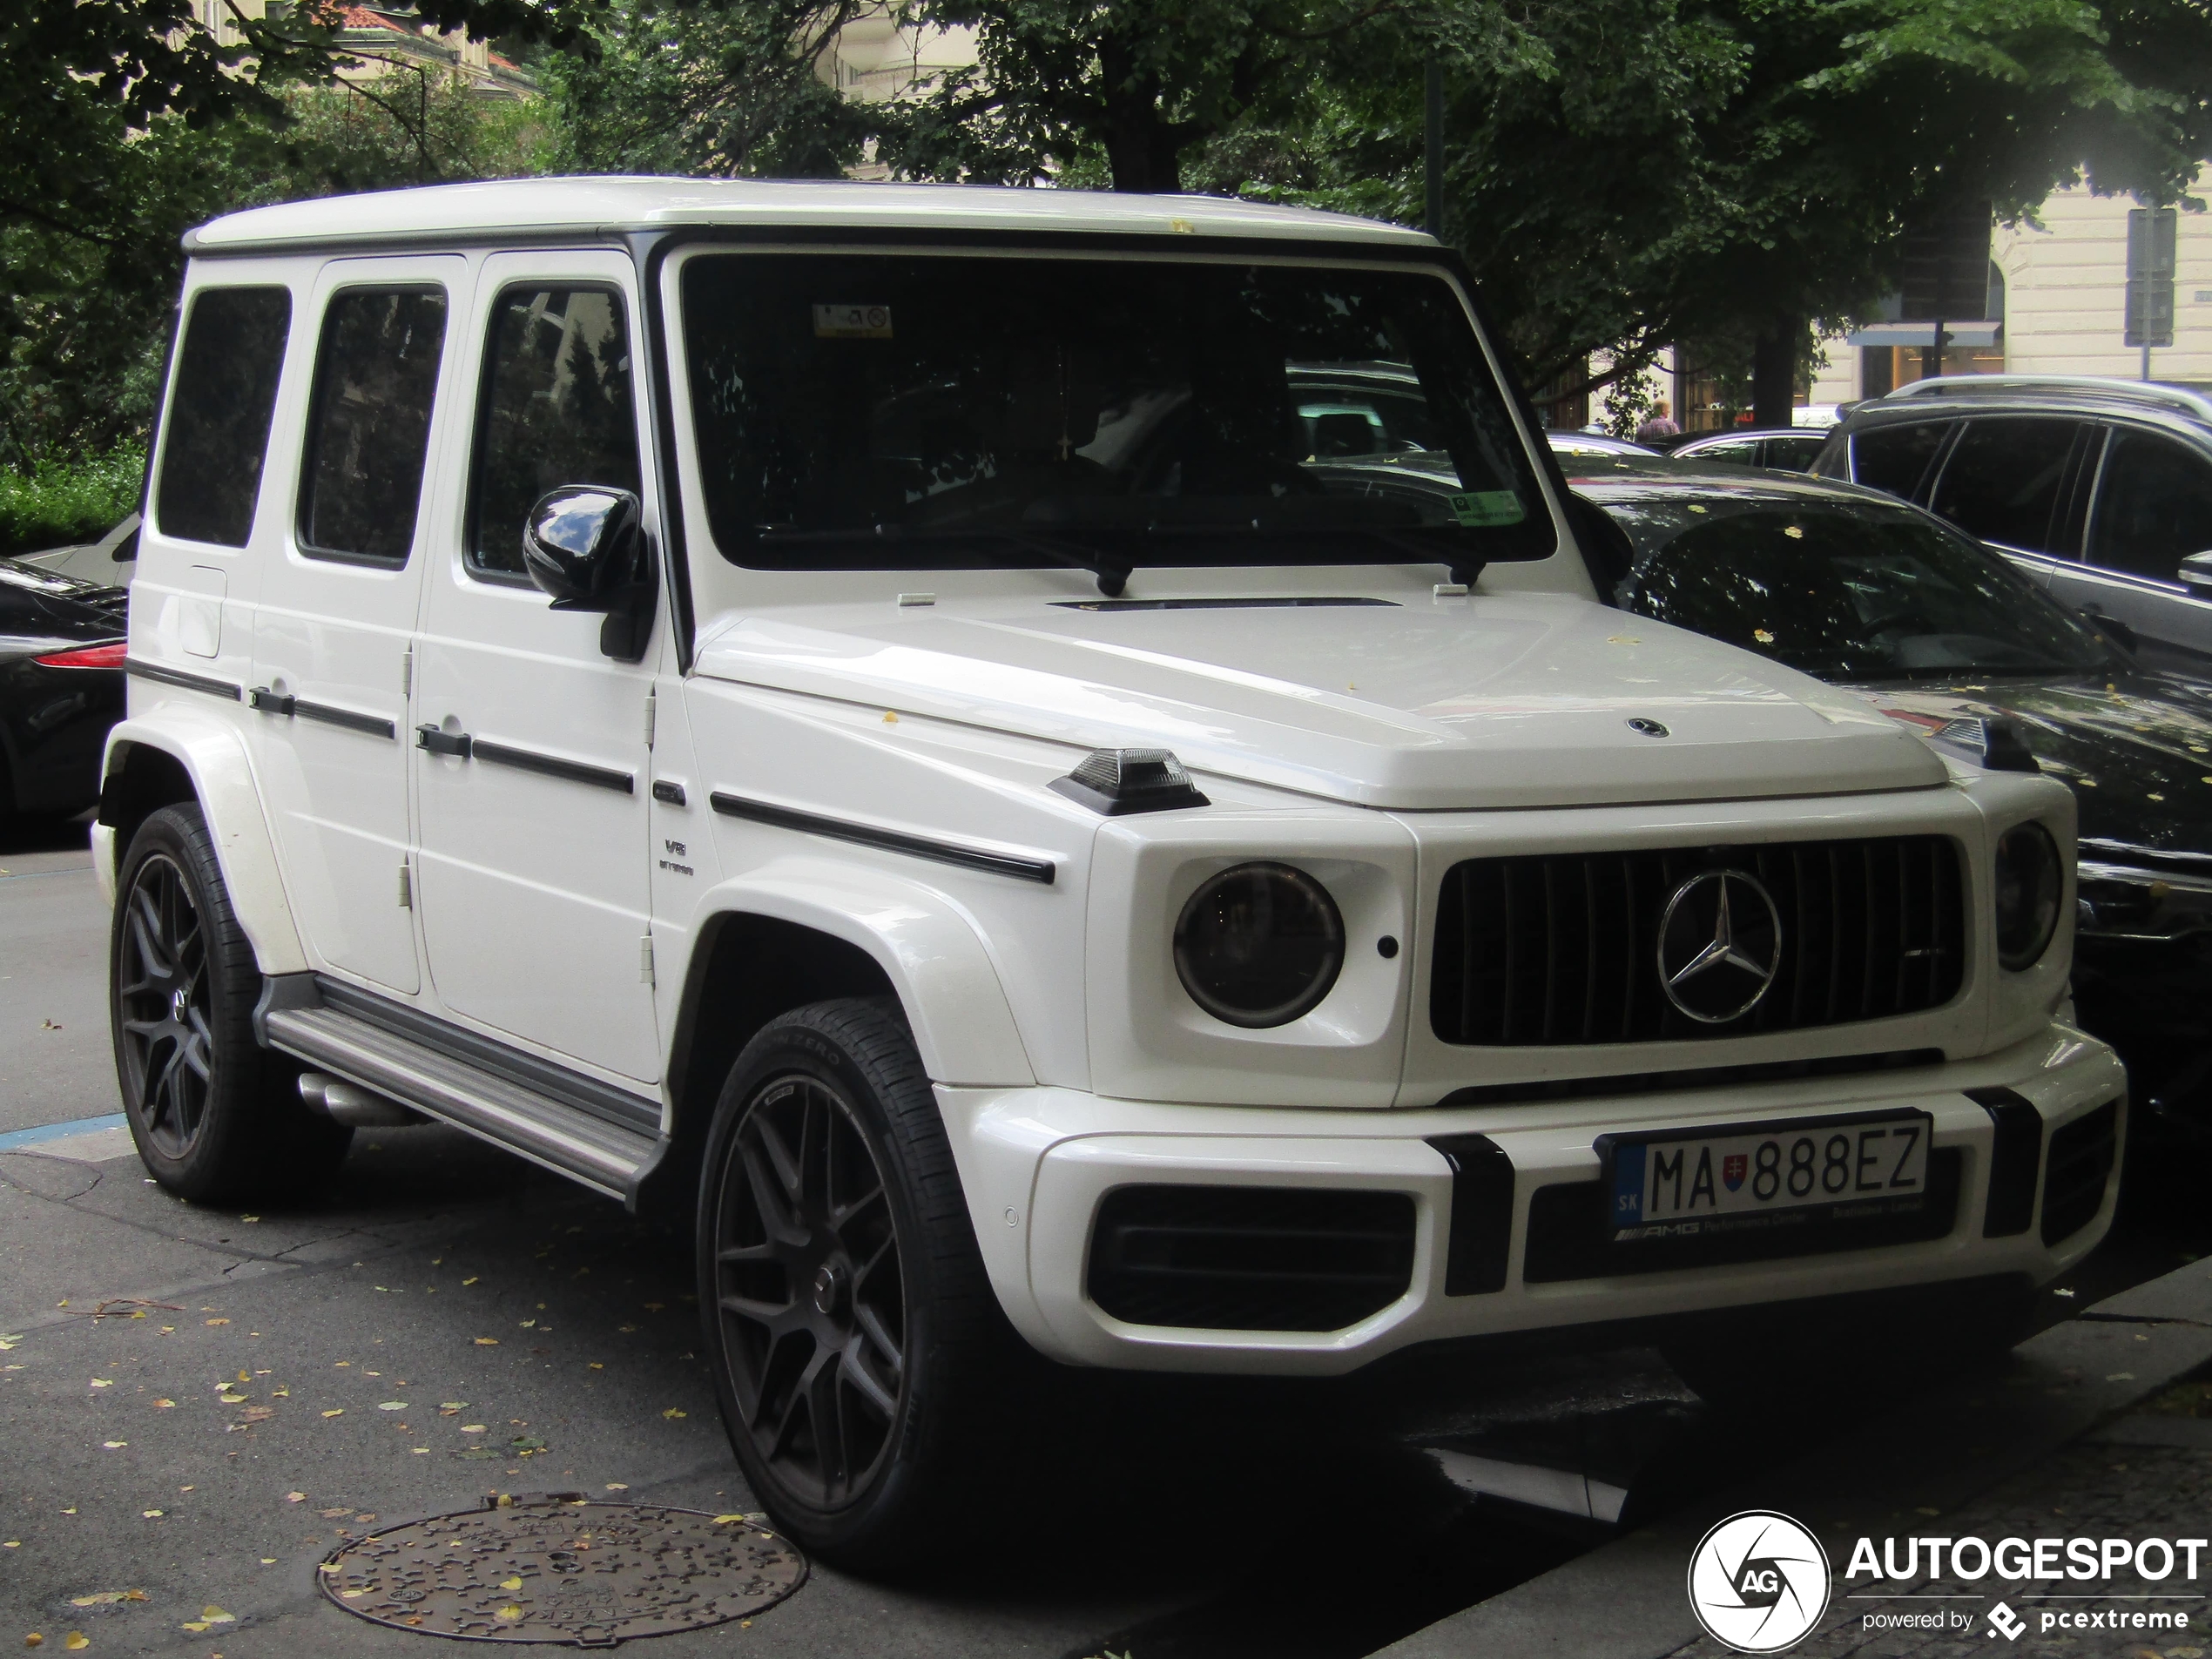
x=2114, y=630
x=584, y=547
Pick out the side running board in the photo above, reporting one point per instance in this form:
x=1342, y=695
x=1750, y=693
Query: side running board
x=567, y=1138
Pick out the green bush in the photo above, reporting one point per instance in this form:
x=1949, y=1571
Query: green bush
x=60, y=502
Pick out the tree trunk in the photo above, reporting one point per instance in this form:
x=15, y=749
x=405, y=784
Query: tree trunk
x=1774, y=371
x=1141, y=148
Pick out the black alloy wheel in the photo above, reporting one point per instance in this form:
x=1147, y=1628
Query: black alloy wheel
x=216, y=1117
x=163, y=1039
x=813, y=1311
x=860, y=1354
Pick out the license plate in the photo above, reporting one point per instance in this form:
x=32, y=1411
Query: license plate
x=1673, y=1184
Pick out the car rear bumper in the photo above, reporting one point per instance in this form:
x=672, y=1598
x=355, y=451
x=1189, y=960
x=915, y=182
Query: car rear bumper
x=1322, y=1211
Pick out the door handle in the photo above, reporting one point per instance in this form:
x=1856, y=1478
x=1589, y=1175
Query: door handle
x=438, y=742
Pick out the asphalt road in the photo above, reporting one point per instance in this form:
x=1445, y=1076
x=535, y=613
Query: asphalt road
x=446, y=1322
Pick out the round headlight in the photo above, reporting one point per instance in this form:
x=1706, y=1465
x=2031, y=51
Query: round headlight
x=1258, y=945
x=2029, y=881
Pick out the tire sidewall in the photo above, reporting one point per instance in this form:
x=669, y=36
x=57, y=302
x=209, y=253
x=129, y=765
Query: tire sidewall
x=795, y=1045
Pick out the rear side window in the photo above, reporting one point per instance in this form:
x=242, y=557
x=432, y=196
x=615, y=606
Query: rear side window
x=227, y=370
x=1896, y=458
x=2001, y=482
x=1744, y=453
x=556, y=410
x=368, y=432
x=2156, y=509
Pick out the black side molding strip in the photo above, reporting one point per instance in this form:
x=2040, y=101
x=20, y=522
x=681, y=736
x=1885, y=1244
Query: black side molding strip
x=270, y=703
x=461, y=744
x=1041, y=871
x=146, y=671
x=576, y=772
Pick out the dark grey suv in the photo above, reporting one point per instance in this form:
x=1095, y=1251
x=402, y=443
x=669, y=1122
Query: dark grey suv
x=2101, y=488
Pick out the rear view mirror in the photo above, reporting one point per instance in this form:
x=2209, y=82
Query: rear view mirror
x=2196, y=574
x=584, y=546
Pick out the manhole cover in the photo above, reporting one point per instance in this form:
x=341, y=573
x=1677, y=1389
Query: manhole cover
x=561, y=1568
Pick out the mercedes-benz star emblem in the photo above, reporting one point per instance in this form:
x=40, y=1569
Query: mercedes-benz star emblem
x=1720, y=946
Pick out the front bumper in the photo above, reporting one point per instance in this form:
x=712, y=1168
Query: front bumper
x=1037, y=1163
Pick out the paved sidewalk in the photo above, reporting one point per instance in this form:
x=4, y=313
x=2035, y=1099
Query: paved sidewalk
x=2057, y=1445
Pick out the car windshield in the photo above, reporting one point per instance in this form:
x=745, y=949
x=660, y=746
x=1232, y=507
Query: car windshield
x=1846, y=590
x=893, y=411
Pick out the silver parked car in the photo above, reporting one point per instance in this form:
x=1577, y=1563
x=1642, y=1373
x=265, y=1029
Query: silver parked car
x=2102, y=488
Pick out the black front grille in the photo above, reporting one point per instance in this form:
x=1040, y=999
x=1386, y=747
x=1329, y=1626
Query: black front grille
x=1555, y=949
x=2082, y=1154
x=1250, y=1258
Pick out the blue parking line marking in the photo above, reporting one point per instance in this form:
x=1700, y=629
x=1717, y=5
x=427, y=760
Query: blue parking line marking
x=23, y=1138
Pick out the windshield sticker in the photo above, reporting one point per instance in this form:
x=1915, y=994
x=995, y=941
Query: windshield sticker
x=852, y=322
x=1487, y=507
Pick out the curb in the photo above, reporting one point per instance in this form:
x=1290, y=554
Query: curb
x=1626, y=1600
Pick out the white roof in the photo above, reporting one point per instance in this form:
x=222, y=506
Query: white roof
x=595, y=206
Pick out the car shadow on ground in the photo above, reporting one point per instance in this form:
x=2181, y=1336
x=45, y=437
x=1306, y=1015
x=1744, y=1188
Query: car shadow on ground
x=34, y=834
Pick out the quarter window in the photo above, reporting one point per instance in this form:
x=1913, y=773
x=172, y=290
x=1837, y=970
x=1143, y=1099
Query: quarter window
x=2155, y=508
x=218, y=434
x=368, y=433
x=557, y=411
x=2001, y=482
x=1896, y=458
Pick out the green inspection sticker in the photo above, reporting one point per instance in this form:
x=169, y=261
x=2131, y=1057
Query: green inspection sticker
x=1487, y=507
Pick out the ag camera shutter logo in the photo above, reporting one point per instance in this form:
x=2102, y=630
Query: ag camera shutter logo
x=1758, y=1582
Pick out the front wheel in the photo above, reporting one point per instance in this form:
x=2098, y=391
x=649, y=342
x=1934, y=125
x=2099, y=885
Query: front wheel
x=854, y=1336
x=216, y=1117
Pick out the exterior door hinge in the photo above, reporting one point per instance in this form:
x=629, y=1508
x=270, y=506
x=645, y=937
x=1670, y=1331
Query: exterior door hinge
x=650, y=705
x=407, y=673
x=645, y=959
x=407, y=886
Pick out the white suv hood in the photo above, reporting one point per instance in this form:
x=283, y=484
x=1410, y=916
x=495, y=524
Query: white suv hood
x=1520, y=700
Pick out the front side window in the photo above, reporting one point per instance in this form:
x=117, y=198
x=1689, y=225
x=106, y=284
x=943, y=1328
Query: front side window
x=2155, y=509
x=893, y=411
x=1848, y=592
x=2002, y=481
x=227, y=369
x=556, y=410
x=368, y=432
x=1896, y=458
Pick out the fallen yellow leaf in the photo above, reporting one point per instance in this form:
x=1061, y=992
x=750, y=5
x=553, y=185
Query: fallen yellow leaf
x=34, y=1639
x=510, y=1583
x=340, y=1412
x=452, y=1405
x=617, y=1486
x=218, y=1321
x=77, y=1642
x=510, y=1615
x=295, y=1497
x=487, y=1342
x=673, y=1412
x=151, y=1514
x=468, y=1282
x=216, y=1616
x=164, y=1405
x=103, y=1382
x=196, y=1627
x=472, y=1428
x=245, y=1376
x=723, y=1521
x=115, y=1446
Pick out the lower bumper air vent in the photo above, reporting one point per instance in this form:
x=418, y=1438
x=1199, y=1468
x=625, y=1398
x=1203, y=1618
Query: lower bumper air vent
x=2082, y=1154
x=1250, y=1258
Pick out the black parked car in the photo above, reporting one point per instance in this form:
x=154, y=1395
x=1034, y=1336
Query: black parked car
x=1785, y=448
x=1853, y=587
x=61, y=687
x=2101, y=489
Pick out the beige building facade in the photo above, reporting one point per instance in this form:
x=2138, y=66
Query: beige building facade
x=2063, y=302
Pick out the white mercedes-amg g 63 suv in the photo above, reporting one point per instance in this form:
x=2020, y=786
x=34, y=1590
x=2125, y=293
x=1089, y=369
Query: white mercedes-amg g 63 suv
x=878, y=718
